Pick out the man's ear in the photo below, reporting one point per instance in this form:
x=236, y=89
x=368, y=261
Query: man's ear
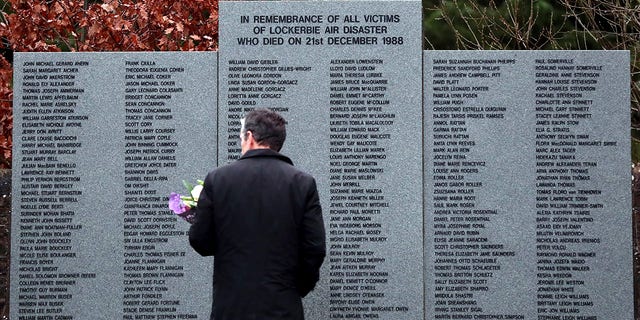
x=251, y=140
x=248, y=135
x=253, y=144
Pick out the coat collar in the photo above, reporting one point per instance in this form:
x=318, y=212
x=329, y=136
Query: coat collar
x=257, y=153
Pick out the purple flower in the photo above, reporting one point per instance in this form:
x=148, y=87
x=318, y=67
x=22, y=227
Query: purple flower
x=176, y=204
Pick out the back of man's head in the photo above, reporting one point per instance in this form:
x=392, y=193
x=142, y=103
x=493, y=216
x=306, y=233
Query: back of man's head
x=268, y=128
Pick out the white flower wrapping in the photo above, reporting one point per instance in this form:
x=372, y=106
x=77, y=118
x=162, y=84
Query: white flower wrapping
x=195, y=192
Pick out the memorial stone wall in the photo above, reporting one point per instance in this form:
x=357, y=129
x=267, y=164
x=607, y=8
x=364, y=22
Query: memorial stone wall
x=454, y=184
x=101, y=140
x=525, y=152
x=338, y=74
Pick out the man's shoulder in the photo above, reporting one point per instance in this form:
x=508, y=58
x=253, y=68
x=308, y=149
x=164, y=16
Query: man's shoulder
x=257, y=158
x=261, y=154
x=265, y=158
x=226, y=168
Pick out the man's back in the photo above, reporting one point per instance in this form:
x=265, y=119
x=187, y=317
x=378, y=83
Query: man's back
x=261, y=219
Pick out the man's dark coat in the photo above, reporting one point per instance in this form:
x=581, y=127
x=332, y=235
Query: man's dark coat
x=260, y=218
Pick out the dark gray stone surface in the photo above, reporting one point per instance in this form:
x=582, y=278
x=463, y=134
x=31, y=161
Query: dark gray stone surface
x=101, y=139
x=527, y=185
x=5, y=182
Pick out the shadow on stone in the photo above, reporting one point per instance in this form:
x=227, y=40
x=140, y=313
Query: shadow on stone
x=5, y=226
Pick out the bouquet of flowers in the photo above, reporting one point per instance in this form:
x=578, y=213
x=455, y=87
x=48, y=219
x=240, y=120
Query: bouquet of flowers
x=182, y=205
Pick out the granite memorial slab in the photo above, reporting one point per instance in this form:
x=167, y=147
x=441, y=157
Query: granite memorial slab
x=101, y=139
x=346, y=76
x=527, y=206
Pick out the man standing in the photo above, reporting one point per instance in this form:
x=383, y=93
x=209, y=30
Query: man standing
x=261, y=219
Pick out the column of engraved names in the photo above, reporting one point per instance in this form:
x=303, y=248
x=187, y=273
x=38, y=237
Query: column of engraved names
x=566, y=204
x=255, y=83
x=466, y=259
x=150, y=151
x=49, y=185
x=359, y=118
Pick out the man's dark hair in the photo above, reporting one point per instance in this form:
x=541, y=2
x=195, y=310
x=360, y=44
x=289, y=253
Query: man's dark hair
x=268, y=128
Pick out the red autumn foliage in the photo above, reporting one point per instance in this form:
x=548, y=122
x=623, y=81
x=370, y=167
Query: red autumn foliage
x=111, y=25
x=6, y=119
